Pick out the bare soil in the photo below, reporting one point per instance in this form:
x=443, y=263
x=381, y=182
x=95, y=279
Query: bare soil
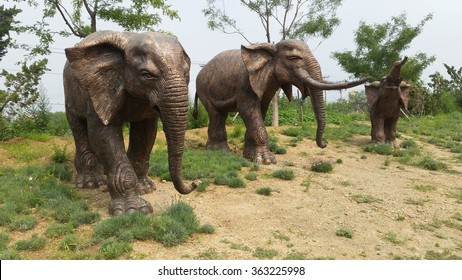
x=302, y=216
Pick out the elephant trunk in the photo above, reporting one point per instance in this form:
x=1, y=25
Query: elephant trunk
x=325, y=85
x=317, y=101
x=394, y=77
x=174, y=115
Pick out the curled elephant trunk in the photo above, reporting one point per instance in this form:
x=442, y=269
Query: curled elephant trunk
x=174, y=116
x=395, y=73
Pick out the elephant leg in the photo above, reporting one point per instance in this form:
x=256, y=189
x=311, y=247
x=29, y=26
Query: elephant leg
x=90, y=173
x=107, y=142
x=217, y=138
x=377, y=129
x=390, y=131
x=256, y=138
x=142, y=138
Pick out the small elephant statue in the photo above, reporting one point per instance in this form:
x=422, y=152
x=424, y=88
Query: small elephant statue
x=246, y=80
x=385, y=99
x=115, y=77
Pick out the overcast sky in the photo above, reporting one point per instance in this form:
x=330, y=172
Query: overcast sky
x=441, y=36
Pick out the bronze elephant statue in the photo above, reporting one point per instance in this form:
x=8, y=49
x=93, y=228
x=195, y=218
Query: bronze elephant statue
x=385, y=99
x=111, y=78
x=246, y=80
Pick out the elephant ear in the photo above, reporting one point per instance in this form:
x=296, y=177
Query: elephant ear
x=372, y=93
x=97, y=64
x=257, y=58
x=404, y=96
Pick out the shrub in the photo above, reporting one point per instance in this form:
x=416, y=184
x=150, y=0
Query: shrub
x=431, y=164
x=322, y=165
x=251, y=176
x=35, y=243
x=284, y=174
x=265, y=191
x=202, y=119
x=344, y=233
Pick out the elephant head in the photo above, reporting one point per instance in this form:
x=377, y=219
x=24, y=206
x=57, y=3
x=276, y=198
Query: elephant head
x=286, y=64
x=151, y=67
x=391, y=86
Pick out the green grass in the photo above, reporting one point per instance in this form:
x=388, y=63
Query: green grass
x=251, y=176
x=262, y=253
x=424, y=188
x=218, y=166
x=360, y=198
x=35, y=243
x=266, y=191
x=343, y=232
x=284, y=174
x=393, y=238
x=432, y=164
x=321, y=165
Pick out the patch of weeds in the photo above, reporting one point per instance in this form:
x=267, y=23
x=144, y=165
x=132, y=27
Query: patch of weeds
x=60, y=155
x=209, y=254
x=431, y=164
x=419, y=202
x=251, y=176
x=393, y=238
x=339, y=161
x=424, y=188
x=307, y=182
x=295, y=256
x=69, y=242
x=237, y=132
x=112, y=248
x=175, y=224
x=4, y=237
x=266, y=191
x=322, y=165
x=237, y=246
x=363, y=157
x=345, y=183
x=35, y=243
x=203, y=185
x=57, y=230
x=230, y=179
x=262, y=253
x=207, y=229
x=199, y=164
x=361, y=198
x=280, y=236
x=457, y=216
x=445, y=255
x=400, y=218
x=284, y=174
x=457, y=195
x=254, y=167
x=343, y=232
x=23, y=223
x=378, y=148
x=61, y=171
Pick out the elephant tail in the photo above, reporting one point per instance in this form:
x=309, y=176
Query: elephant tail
x=195, y=111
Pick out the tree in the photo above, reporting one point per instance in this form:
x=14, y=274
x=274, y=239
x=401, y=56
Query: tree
x=292, y=19
x=132, y=15
x=21, y=87
x=455, y=84
x=380, y=45
x=6, y=24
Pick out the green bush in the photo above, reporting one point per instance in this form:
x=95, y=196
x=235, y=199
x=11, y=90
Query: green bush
x=265, y=191
x=284, y=174
x=202, y=119
x=322, y=165
x=35, y=243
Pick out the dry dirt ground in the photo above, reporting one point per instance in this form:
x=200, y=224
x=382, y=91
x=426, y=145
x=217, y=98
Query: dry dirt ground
x=302, y=216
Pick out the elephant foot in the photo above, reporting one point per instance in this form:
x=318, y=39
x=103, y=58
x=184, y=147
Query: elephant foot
x=146, y=185
x=90, y=180
x=221, y=145
x=260, y=155
x=129, y=205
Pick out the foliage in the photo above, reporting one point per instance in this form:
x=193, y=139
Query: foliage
x=322, y=165
x=202, y=118
x=35, y=243
x=266, y=191
x=380, y=45
x=134, y=15
x=20, y=89
x=217, y=165
x=284, y=174
x=342, y=232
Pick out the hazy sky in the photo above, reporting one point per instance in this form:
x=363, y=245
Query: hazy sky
x=441, y=36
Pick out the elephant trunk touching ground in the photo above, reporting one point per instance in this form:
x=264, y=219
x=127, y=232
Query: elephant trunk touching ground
x=174, y=117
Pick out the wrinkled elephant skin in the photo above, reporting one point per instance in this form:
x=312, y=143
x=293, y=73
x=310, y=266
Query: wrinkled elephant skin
x=115, y=77
x=246, y=80
x=385, y=99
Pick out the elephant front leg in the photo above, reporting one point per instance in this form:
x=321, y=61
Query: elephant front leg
x=90, y=173
x=256, y=138
x=377, y=129
x=142, y=138
x=217, y=138
x=108, y=144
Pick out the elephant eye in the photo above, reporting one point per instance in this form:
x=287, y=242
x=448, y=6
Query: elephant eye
x=294, y=58
x=147, y=75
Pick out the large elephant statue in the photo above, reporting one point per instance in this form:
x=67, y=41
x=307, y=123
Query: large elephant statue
x=115, y=77
x=385, y=99
x=246, y=80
